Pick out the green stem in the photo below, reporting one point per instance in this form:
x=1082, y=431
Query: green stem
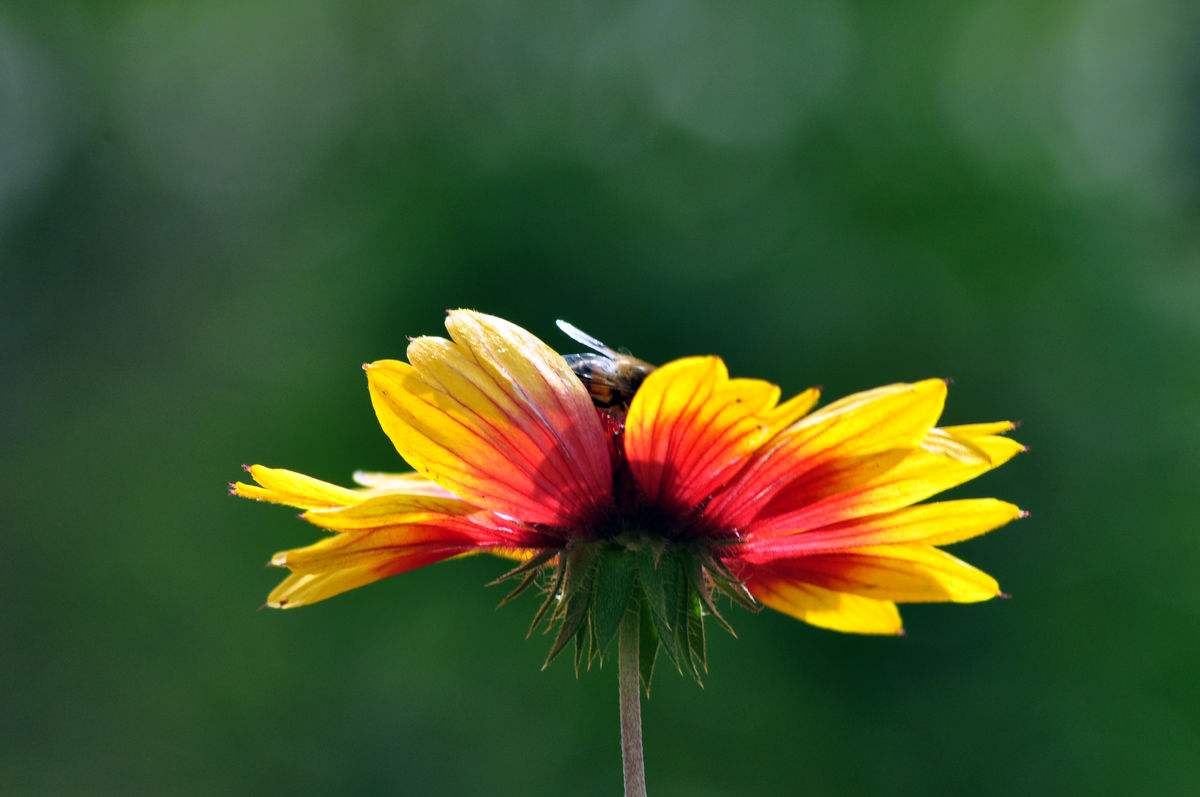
x=631, y=705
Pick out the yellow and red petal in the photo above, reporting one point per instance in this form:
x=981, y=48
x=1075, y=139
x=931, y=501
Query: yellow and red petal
x=305, y=588
x=498, y=418
x=876, y=422
x=315, y=580
x=940, y=523
x=544, y=388
x=886, y=481
x=690, y=428
x=400, y=542
x=910, y=573
x=451, y=515
x=386, y=535
x=825, y=608
x=401, y=523
x=353, y=558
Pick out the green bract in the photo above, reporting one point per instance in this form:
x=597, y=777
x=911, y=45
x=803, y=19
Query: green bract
x=590, y=587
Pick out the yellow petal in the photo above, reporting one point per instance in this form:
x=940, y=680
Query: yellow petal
x=892, y=416
x=837, y=611
x=497, y=418
x=287, y=487
x=290, y=488
x=932, y=524
x=389, y=509
x=515, y=554
x=973, y=430
x=302, y=589
x=910, y=573
x=875, y=422
x=948, y=522
x=407, y=483
x=792, y=410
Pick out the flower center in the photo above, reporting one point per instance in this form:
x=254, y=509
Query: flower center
x=633, y=557
x=631, y=519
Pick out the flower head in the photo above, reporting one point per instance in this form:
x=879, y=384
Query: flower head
x=701, y=485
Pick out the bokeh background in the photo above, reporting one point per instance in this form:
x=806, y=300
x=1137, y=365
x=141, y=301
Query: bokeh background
x=211, y=213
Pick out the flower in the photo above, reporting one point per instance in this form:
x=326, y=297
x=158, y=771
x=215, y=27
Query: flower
x=702, y=485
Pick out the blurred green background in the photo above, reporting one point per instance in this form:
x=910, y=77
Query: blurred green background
x=212, y=213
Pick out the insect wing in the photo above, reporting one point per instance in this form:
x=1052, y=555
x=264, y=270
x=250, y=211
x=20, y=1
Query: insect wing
x=579, y=336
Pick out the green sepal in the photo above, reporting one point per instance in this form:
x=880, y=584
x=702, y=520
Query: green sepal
x=551, y=596
x=679, y=623
x=702, y=587
x=664, y=586
x=670, y=586
x=580, y=646
x=579, y=572
x=648, y=643
x=697, y=649
x=529, y=565
x=725, y=581
x=526, y=583
x=529, y=570
x=612, y=591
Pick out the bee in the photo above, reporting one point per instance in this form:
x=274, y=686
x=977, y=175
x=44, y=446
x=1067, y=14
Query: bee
x=611, y=377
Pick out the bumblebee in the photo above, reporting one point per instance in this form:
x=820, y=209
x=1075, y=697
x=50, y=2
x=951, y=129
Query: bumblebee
x=611, y=377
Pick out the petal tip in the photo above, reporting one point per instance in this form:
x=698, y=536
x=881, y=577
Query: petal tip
x=458, y=312
x=1022, y=514
x=1004, y=596
x=240, y=490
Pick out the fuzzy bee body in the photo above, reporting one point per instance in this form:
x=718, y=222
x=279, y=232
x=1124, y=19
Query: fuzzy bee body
x=611, y=377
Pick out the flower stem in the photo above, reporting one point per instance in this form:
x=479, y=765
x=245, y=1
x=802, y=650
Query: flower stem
x=628, y=676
